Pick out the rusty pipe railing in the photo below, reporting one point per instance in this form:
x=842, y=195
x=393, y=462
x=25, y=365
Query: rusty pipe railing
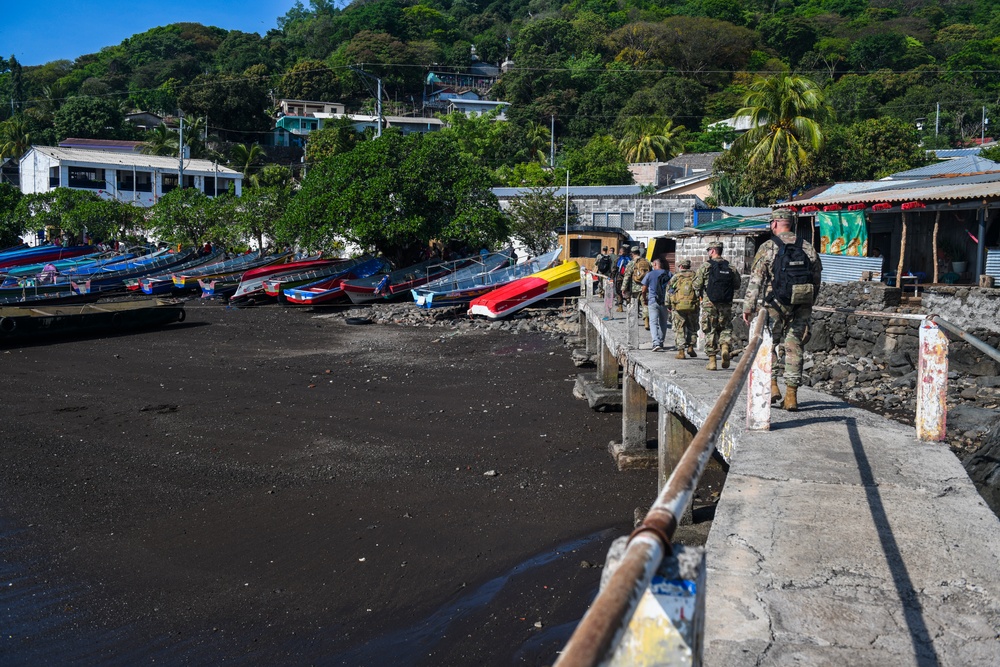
x=602, y=626
x=957, y=331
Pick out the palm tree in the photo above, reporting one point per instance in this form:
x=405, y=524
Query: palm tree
x=244, y=156
x=162, y=141
x=784, y=113
x=15, y=137
x=538, y=141
x=647, y=139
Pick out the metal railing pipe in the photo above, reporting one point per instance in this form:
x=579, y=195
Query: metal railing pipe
x=602, y=626
x=966, y=336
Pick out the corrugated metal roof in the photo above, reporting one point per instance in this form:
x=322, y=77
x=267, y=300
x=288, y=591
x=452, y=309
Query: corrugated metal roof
x=88, y=156
x=951, y=153
x=732, y=224
x=847, y=269
x=577, y=191
x=970, y=164
x=745, y=211
x=940, y=193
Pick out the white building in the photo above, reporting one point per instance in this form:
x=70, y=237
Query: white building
x=478, y=107
x=131, y=177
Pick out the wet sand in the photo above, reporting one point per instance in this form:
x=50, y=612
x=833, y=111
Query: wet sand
x=267, y=487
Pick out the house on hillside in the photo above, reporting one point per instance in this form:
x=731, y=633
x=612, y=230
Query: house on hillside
x=477, y=107
x=144, y=120
x=297, y=118
x=130, y=177
x=688, y=173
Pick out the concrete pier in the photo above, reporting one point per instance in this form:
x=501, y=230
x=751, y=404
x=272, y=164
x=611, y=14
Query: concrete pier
x=839, y=538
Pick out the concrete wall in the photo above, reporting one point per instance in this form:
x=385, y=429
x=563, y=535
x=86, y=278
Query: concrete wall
x=643, y=207
x=739, y=249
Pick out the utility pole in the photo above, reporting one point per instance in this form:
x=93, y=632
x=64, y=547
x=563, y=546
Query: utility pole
x=982, y=131
x=378, y=99
x=567, y=215
x=552, y=143
x=937, y=119
x=180, y=155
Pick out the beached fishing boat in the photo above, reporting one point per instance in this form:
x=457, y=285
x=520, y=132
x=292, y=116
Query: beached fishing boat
x=399, y=283
x=162, y=283
x=41, y=254
x=44, y=321
x=251, y=286
x=329, y=290
x=60, y=265
x=275, y=286
x=239, y=265
x=466, y=284
x=526, y=291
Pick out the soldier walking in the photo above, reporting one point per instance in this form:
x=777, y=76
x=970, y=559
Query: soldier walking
x=635, y=271
x=787, y=272
x=619, y=270
x=684, y=306
x=717, y=283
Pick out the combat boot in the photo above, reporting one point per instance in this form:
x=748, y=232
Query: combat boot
x=680, y=353
x=775, y=391
x=725, y=355
x=619, y=309
x=691, y=352
x=711, y=363
x=791, y=399
x=645, y=322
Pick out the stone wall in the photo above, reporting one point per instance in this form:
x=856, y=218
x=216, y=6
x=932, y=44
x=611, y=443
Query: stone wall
x=642, y=206
x=967, y=307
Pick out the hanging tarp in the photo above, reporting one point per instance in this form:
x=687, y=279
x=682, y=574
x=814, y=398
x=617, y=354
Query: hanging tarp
x=843, y=233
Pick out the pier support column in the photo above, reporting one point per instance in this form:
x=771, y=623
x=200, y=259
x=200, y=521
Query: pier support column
x=673, y=436
x=632, y=453
x=608, y=367
x=593, y=338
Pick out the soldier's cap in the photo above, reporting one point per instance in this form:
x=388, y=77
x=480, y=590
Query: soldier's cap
x=715, y=245
x=782, y=214
x=635, y=250
x=604, y=248
x=685, y=264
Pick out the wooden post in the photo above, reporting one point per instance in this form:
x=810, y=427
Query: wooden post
x=902, y=254
x=937, y=225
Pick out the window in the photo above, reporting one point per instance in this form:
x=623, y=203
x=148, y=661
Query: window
x=144, y=181
x=705, y=216
x=90, y=178
x=584, y=247
x=169, y=182
x=625, y=220
x=668, y=221
x=210, y=186
x=53, y=177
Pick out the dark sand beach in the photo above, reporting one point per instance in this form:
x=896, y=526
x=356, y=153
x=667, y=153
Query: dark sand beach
x=269, y=487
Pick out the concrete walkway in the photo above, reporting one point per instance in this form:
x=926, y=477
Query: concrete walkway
x=839, y=539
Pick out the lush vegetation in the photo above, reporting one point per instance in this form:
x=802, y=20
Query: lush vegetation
x=834, y=89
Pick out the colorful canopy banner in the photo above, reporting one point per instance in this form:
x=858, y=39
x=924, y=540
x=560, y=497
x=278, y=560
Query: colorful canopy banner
x=843, y=233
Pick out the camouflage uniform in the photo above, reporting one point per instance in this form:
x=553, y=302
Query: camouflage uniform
x=632, y=289
x=789, y=324
x=716, y=318
x=685, y=324
x=618, y=280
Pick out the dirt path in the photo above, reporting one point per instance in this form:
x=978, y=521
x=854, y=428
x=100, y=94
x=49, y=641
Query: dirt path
x=266, y=487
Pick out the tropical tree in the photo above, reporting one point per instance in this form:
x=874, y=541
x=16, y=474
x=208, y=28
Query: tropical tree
x=599, y=162
x=252, y=216
x=395, y=194
x=183, y=215
x=161, y=141
x=538, y=137
x=15, y=137
x=11, y=227
x=534, y=218
x=785, y=112
x=243, y=157
x=647, y=139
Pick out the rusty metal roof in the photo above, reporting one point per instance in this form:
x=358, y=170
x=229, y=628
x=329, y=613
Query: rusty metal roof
x=981, y=186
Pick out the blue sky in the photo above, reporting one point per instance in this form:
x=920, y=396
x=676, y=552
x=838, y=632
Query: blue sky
x=39, y=32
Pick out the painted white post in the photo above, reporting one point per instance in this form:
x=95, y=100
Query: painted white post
x=759, y=386
x=932, y=383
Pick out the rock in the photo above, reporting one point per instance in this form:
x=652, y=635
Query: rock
x=971, y=418
x=490, y=473
x=988, y=381
x=839, y=372
x=983, y=467
x=892, y=402
x=969, y=393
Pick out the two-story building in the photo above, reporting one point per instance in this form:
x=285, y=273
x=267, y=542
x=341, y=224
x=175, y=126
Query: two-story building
x=130, y=177
x=297, y=118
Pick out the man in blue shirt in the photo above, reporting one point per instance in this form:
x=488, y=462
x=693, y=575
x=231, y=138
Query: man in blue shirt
x=657, y=311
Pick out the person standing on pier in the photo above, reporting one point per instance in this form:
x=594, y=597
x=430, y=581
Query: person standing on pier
x=619, y=270
x=786, y=275
x=654, y=291
x=683, y=302
x=717, y=283
x=632, y=282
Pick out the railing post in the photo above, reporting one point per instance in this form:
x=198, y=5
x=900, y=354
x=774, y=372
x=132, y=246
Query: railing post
x=932, y=383
x=759, y=386
x=632, y=324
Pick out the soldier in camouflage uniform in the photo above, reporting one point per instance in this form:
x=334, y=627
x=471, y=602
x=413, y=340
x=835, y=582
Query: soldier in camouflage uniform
x=632, y=288
x=685, y=322
x=789, y=323
x=716, y=318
